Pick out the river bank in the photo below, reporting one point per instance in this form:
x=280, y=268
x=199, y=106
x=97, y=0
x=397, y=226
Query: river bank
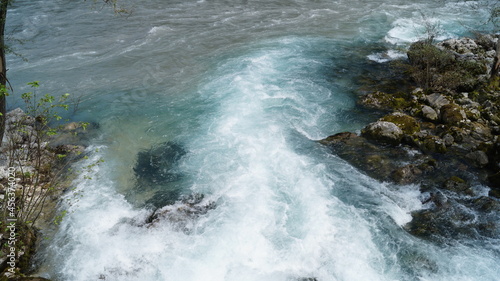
x=443, y=138
x=34, y=172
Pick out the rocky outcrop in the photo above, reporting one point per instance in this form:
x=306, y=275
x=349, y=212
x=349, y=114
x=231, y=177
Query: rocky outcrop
x=383, y=132
x=453, y=133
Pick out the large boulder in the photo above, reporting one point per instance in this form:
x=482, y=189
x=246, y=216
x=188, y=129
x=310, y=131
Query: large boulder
x=452, y=114
x=383, y=132
x=478, y=158
x=406, y=123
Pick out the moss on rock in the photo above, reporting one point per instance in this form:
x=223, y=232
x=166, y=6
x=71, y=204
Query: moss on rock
x=384, y=101
x=406, y=123
x=452, y=114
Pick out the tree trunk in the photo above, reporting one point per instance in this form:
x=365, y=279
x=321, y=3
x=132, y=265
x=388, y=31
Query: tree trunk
x=3, y=67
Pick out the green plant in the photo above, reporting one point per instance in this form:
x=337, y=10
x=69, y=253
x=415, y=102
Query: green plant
x=29, y=155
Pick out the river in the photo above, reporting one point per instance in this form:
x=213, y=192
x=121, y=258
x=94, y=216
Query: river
x=240, y=90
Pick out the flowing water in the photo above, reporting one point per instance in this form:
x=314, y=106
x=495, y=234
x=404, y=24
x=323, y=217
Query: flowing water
x=239, y=91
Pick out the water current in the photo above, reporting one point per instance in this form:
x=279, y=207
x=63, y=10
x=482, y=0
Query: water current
x=233, y=95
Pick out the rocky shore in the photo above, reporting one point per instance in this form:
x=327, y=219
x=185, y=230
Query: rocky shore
x=33, y=174
x=443, y=136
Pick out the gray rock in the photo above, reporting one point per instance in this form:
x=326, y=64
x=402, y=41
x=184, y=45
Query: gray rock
x=17, y=116
x=448, y=140
x=384, y=132
x=461, y=46
x=429, y=113
x=481, y=132
x=437, y=100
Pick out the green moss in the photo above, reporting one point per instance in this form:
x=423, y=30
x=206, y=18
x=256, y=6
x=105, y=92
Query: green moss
x=494, y=84
x=433, y=144
x=406, y=123
x=451, y=114
x=385, y=101
x=457, y=179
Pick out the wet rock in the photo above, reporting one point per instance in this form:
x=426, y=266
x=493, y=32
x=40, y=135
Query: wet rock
x=338, y=139
x=478, y=158
x=486, y=204
x=406, y=174
x=383, y=132
x=494, y=183
x=375, y=160
x=182, y=214
x=453, y=221
x=452, y=114
x=429, y=113
x=457, y=185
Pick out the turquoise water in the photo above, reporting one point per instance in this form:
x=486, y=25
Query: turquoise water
x=244, y=88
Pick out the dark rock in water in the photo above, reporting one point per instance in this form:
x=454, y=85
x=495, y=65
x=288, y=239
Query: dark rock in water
x=380, y=162
x=495, y=180
x=164, y=196
x=181, y=214
x=486, y=204
x=415, y=262
x=458, y=186
x=406, y=174
x=157, y=165
x=478, y=158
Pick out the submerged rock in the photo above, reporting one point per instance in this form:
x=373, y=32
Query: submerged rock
x=157, y=164
x=458, y=186
x=478, y=158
